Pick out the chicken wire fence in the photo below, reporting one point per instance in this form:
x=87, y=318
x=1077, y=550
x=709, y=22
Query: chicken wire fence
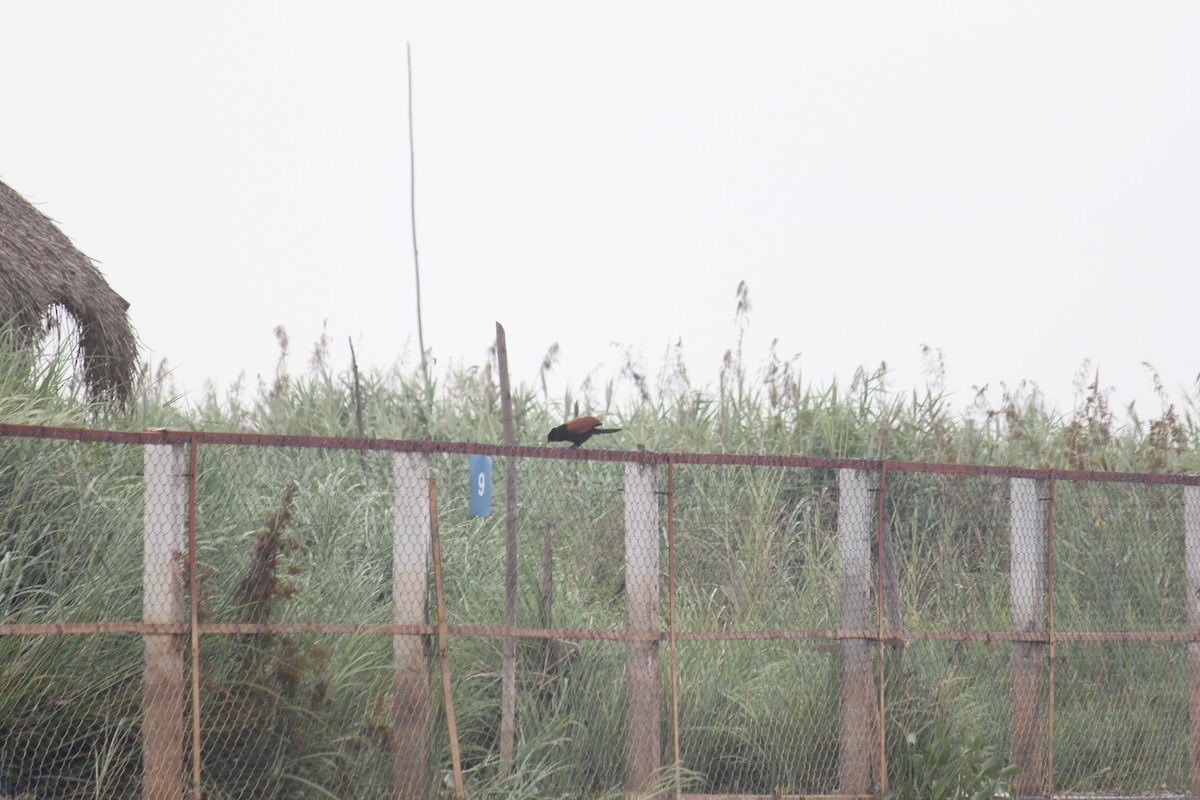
x=241, y=616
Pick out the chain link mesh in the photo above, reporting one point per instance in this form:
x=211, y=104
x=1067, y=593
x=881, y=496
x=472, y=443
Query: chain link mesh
x=757, y=552
x=783, y=628
x=71, y=519
x=1121, y=707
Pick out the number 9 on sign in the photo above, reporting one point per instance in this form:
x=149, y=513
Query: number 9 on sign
x=481, y=485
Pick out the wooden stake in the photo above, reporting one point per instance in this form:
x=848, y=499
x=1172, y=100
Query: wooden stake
x=508, y=685
x=443, y=643
x=358, y=414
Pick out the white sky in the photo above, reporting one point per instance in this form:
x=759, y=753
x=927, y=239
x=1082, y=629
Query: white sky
x=1017, y=184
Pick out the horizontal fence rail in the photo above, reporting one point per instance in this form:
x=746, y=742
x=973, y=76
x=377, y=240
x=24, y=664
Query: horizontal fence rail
x=170, y=436
x=190, y=614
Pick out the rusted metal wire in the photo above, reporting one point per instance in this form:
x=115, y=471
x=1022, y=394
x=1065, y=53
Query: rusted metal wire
x=886, y=636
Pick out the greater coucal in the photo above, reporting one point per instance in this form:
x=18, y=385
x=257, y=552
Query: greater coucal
x=578, y=431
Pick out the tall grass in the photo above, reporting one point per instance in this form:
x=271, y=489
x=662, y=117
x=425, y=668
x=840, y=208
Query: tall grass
x=289, y=535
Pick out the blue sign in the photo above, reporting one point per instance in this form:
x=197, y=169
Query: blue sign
x=481, y=485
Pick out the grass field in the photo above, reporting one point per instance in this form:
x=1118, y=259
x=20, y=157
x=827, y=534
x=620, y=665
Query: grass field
x=304, y=535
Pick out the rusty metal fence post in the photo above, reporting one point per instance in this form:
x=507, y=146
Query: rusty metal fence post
x=163, y=570
x=858, y=713
x=1027, y=590
x=641, y=655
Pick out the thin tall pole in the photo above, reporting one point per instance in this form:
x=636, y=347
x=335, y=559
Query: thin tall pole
x=412, y=184
x=508, y=683
x=358, y=414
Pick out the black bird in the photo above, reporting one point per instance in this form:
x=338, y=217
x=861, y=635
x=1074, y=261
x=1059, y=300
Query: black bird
x=578, y=431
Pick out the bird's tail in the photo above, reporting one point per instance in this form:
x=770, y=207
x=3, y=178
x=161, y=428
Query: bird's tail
x=606, y=430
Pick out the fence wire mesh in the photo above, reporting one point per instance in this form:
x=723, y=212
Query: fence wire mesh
x=203, y=615
x=756, y=554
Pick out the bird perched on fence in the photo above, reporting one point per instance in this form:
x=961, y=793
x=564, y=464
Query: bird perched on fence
x=578, y=431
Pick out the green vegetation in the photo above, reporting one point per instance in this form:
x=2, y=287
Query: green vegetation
x=949, y=766
x=291, y=535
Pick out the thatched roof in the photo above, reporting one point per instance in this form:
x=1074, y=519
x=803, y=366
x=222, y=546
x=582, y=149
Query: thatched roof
x=40, y=270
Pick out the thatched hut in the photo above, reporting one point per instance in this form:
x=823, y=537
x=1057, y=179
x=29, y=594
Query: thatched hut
x=42, y=274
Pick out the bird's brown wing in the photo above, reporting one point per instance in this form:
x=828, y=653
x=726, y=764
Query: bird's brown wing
x=582, y=425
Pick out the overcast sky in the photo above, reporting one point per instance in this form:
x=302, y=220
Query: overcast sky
x=1015, y=184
